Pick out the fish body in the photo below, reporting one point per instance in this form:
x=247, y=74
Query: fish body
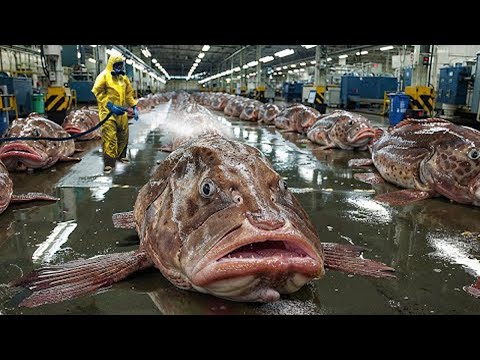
x=297, y=118
x=81, y=120
x=434, y=156
x=342, y=129
x=35, y=154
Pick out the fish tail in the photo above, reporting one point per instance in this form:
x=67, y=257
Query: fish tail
x=33, y=196
x=55, y=283
x=473, y=289
x=347, y=258
x=123, y=220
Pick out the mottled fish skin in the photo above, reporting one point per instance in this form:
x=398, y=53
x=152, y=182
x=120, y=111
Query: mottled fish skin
x=186, y=233
x=431, y=155
x=268, y=113
x=251, y=110
x=79, y=121
x=6, y=188
x=41, y=154
x=342, y=129
x=297, y=118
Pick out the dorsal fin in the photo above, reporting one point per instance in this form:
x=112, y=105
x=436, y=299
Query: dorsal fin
x=410, y=121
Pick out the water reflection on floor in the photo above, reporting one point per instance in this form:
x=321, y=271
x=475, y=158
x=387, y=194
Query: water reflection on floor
x=432, y=244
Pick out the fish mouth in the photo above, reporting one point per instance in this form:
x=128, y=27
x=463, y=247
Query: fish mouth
x=72, y=129
x=365, y=134
x=20, y=151
x=258, y=265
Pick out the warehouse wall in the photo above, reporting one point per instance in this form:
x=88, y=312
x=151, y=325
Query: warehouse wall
x=174, y=85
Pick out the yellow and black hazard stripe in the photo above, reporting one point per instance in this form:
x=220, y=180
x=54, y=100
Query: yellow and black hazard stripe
x=320, y=96
x=58, y=102
x=422, y=102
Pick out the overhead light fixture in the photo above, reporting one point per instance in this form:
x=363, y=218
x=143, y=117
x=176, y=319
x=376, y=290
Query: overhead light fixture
x=237, y=69
x=197, y=60
x=303, y=64
x=293, y=66
x=295, y=70
x=279, y=73
x=365, y=52
x=313, y=62
x=290, y=71
x=284, y=53
x=300, y=70
x=385, y=48
x=206, y=48
x=329, y=59
x=357, y=53
x=284, y=67
x=252, y=63
x=129, y=61
x=308, y=46
x=94, y=46
x=245, y=66
x=278, y=68
x=92, y=60
x=154, y=61
x=266, y=59
x=343, y=56
x=201, y=55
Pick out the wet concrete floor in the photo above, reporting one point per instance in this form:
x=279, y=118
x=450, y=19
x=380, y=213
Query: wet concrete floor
x=433, y=244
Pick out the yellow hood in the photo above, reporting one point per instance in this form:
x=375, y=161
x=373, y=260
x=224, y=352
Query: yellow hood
x=112, y=60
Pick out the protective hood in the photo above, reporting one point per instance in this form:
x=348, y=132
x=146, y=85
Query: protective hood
x=112, y=60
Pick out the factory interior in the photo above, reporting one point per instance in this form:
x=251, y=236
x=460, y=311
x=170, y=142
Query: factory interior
x=239, y=179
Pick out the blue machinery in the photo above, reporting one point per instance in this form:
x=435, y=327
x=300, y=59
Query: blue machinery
x=360, y=90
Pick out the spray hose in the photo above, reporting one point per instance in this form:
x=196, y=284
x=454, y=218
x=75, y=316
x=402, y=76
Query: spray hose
x=72, y=137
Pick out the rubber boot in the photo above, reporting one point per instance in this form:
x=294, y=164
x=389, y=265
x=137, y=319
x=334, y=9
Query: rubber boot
x=108, y=163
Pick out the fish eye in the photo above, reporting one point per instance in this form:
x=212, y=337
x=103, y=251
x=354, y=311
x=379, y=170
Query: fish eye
x=36, y=133
x=350, y=122
x=283, y=185
x=474, y=154
x=207, y=188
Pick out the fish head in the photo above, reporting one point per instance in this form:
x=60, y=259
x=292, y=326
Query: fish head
x=454, y=168
x=241, y=234
x=307, y=117
x=6, y=187
x=76, y=122
x=353, y=130
x=23, y=154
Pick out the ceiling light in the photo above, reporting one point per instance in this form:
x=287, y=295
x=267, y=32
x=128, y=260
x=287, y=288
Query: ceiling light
x=343, y=56
x=154, y=61
x=303, y=64
x=293, y=66
x=313, y=62
x=206, y=47
x=363, y=52
x=385, y=48
x=266, y=59
x=284, y=53
x=92, y=60
x=308, y=46
x=201, y=55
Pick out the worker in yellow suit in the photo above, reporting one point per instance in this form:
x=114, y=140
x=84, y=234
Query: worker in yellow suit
x=114, y=92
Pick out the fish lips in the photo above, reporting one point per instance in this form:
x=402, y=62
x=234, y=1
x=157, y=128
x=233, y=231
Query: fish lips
x=72, y=129
x=21, y=151
x=362, y=137
x=265, y=263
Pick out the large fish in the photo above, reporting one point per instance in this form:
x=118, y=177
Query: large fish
x=296, y=118
x=81, y=120
x=342, y=129
x=6, y=192
x=431, y=157
x=215, y=218
x=268, y=113
x=22, y=155
x=251, y=110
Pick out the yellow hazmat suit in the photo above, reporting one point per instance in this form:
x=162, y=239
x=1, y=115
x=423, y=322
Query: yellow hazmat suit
x=119, y=91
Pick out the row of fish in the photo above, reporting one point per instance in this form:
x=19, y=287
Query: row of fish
x=428, y=158
x=214, y=218
x=340, y=129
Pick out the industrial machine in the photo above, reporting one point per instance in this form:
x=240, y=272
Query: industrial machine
x=260, y=93
x=453, y=86
x=82, y=82
x=292, y=91
x=357, y=91
x=21, y=88
x=332, y=96
x=476, y=90
x=59, y=97
x=7, y=104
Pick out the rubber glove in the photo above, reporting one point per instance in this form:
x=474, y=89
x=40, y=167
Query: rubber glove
x=115, y=109
x=135, y=113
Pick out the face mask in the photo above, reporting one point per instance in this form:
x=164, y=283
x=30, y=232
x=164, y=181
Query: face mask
x=118, y=69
